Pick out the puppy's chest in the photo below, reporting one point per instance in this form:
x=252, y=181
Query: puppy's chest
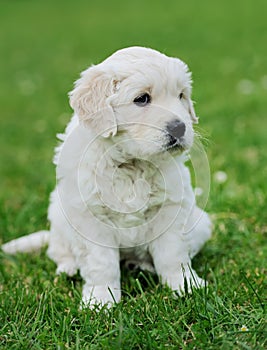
x=131, y=193
x=138, y=185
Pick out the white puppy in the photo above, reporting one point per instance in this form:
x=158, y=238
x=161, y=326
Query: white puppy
x=123, y=191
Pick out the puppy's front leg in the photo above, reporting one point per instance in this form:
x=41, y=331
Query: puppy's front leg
x=100, y=268
x=171, y=259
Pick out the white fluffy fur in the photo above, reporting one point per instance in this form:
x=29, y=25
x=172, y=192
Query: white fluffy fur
x=120, y=194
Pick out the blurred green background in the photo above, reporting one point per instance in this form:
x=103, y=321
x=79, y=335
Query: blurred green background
x=45, y=45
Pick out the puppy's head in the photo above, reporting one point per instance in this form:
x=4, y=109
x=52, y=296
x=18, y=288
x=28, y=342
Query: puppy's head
x=140, y=97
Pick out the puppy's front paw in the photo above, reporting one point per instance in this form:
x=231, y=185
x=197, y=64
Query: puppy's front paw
x=94, y=296
x=189, y=282
x=185, y=281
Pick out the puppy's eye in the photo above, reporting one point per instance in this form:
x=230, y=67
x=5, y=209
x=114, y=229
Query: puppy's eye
x=142, y=100
x=181, y=95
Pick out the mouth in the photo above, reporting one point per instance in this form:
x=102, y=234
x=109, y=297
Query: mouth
x=174, y=144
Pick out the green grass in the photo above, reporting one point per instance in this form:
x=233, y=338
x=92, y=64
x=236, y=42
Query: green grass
x=44, y=45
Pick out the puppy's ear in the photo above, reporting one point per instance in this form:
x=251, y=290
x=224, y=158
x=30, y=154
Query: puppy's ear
x=192, y=111
x=91, y=99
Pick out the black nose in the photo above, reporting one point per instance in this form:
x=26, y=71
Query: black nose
x=176, y=129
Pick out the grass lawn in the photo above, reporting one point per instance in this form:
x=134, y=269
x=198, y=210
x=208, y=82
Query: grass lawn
x=44, y=46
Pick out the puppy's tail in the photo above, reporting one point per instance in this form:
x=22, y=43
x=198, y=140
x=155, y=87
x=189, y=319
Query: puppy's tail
x=26, y=244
